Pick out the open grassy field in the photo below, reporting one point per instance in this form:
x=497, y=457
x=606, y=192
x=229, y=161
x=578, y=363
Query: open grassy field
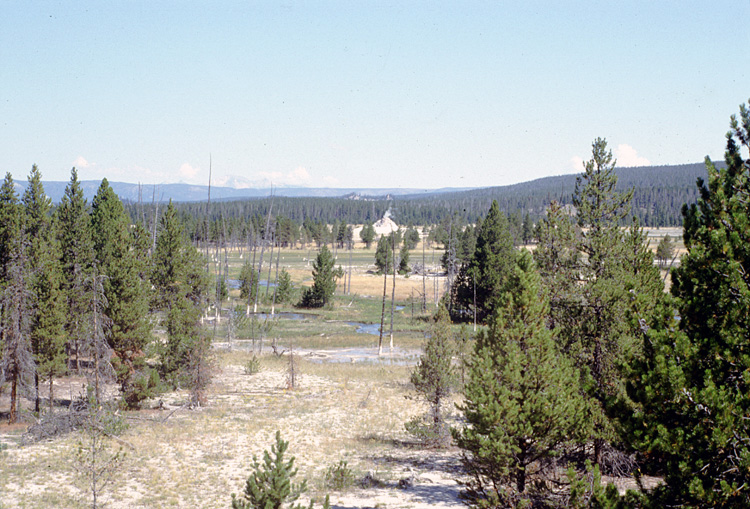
x=197, y=458
x=348, y=404
x=332, y=326
x=352, y=407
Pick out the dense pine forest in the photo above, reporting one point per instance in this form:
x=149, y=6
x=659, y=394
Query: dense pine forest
x=579, y=363
x=658, y=195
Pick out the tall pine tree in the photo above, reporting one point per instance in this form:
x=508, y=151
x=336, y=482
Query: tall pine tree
x=17, y=363
x=616, y=274
x=48, y=310
x=77, y=259
x=522, y=404
x=124, y=288
x=10, y=227
x=693, y=381
x=481, y=280
x=181, y=287
x=557, y=259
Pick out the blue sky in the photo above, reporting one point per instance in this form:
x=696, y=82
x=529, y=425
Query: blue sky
x=364, y=94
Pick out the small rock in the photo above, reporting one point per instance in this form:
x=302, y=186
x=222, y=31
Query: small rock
x=406, y=483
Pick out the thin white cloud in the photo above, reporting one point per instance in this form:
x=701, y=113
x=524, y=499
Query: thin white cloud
x=624, y=154
x=627, y=156
x=188, y=172
x=81, y=162
x=296, y=177
x=576, y=163
x=300, y=174
x=331, y=181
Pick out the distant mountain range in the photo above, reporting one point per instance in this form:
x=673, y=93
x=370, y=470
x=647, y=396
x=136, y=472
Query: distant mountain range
x=659, y=193
x=192, y=193
x=562, y=185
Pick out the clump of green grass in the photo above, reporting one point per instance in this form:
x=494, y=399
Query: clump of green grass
x=252, y=366
x=339, y=476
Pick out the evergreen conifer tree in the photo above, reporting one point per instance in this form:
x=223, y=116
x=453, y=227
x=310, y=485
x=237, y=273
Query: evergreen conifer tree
x=616, y=277
x=557, y=258
x=434, y=378
x=367, y=234
x=693, y=381
x=665, y=250
x=77, y=257
x=248, y=281
x=124, y=287
x=10, y=227
x=167, y=261
x=181, y=288
x=284, y=287
x=48, y=311
x=384, y=254
x=270, y=485
x=522, y=404
x=482, y=279
x=324, y=281
x=403, y=263
x=17, y=364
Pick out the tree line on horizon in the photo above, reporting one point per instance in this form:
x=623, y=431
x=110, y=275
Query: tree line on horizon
x=659, y=193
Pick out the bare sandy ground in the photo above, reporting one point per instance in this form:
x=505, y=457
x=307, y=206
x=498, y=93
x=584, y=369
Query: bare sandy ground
x=197, y=458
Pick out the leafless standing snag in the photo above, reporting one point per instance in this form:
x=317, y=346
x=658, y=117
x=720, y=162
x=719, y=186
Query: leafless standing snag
x=18, y=364
x=393, y=289
x=200, y=370
x=292, y=370
x=96, y=346
x=382, y=313
x=97, y=461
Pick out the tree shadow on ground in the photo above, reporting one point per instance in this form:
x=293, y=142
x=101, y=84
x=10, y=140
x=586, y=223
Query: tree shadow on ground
x=421, y=493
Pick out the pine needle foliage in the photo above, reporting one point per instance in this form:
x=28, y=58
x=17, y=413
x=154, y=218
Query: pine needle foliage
x=694, y=379
x=270, y=485
x=324, y=280
x=522, y=404
x=434, y=378
x=48, y=313
x=124, y=288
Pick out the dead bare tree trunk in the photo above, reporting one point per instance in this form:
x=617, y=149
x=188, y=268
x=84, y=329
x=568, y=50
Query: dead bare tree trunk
x=250, y=295
x=393, y=289
x=51, y=394
x=424, y=275
x=434, y=279
x=275, y=281
x=262, y=248
x=98, y=347
x=270, y=263
x=382, y=313
x=349, y=288
x=206, y=236
x=475, y=299
x=156, y=220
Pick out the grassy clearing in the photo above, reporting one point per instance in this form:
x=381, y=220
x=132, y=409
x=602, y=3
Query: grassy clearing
x=329, y=327
x=340, y=411
x=351, y=412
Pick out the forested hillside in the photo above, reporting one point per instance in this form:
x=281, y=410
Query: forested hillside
x=658, y=196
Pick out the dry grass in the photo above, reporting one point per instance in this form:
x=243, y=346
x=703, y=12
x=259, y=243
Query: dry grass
x=197, y=458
